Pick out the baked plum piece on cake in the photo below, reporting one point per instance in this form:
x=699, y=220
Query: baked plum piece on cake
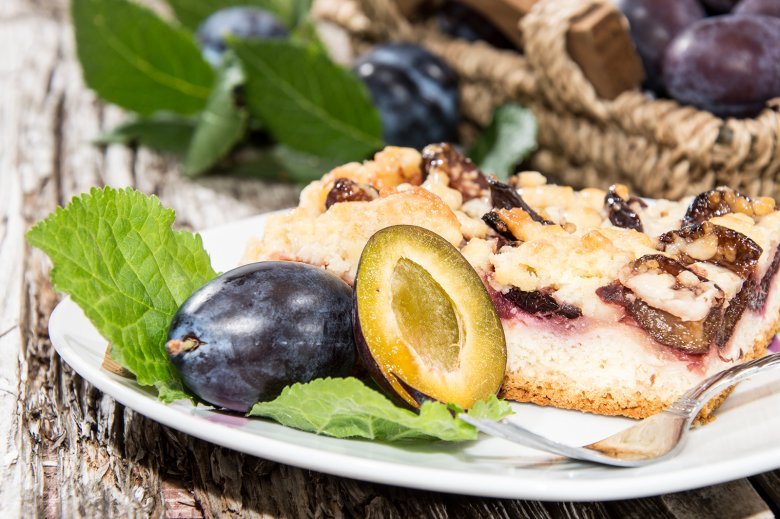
x=610, y=303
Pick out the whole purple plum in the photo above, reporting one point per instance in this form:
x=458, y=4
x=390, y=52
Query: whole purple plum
x=653, y=24
x=764, y=7
x=247, y=334
x=719, y=6
x=728, y=65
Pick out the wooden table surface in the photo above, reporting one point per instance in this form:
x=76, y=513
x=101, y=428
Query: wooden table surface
x=70, y=451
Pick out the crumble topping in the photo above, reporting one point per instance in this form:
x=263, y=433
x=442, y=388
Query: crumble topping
x=391, y=167
x=527, y=236
x=334, y=239
x=725, y=279
x=682, y=294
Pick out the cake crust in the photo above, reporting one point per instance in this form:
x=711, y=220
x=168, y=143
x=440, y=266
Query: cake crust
x=619, y=401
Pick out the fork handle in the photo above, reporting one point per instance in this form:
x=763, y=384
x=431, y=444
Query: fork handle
x=696, y=397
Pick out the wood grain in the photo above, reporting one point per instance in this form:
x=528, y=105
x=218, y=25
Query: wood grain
x=70, y=451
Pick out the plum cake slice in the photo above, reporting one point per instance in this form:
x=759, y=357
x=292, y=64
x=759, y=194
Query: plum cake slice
x=610, y=303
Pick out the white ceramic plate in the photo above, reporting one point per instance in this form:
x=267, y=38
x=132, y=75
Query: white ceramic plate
x=744, y=440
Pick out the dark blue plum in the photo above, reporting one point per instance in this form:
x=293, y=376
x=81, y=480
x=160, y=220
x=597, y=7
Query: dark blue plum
x=461, y=21
x=415, y=92
x=728, y=65
x=719, y=6
x=240, y=22
x=763, y=7
x=247, y=334
x=653, y=24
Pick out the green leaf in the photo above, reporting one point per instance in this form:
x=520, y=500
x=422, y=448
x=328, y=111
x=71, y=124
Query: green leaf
x=134, y=59
x=277, y=163
x=191, y=13
x=115, y=254
x=346, y=408
x=162, y=132
x=305, y=33
x=300, y=167
x=307, y=102
x=301, y=11
x=510, y=137
x=491, y=409
x=221, y=124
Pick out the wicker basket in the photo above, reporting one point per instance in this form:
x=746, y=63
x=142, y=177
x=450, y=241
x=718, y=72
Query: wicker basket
x=659, y=147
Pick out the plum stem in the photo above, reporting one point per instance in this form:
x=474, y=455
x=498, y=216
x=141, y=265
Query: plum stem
x=175, y=346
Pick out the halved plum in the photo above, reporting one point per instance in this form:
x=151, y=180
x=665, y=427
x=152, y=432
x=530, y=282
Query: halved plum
x=425, y=326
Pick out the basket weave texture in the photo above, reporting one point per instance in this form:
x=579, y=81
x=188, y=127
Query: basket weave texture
x=659, y=147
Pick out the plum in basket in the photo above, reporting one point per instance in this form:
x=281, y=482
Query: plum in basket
x=653, y=24
x=728, y=65
x=763, y=7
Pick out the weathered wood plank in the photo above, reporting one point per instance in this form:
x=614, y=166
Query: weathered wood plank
x=639, y=509
x=727, y=501
x=11, y=271
x=71, y=466
x=28, y=117
x=67, y=450
x=577, y=510
x=768, y=485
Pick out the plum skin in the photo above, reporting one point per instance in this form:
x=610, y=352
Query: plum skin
x=719, y=6
x=240, y=22
x=415, y=92
x=762, y=7
x=261, y=327
x=387, y=356
x=728, y=65
x=461, y=21
x=653, y=25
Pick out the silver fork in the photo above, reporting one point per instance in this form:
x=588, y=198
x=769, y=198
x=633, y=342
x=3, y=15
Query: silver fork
x=653, y=439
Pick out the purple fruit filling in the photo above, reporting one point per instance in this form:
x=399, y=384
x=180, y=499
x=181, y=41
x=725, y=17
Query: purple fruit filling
x=463, y=175
x=761, y=291
x=537, y=303
x=620, y=212
x=717, y=202
x=504, y=196
x=732, y=250
x=494, y=221
x=346, y=190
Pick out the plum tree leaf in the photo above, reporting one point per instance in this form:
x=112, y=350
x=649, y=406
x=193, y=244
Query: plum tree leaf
x=301, y=10
x=305, y=33
x=191, y=13
x=307, y=102
x=136, y=60
x=162, y=132
x=297, y=166
x=280, y=163
x=220, y=125
x=116, y=255
x=510, y=137
x=347, y=408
